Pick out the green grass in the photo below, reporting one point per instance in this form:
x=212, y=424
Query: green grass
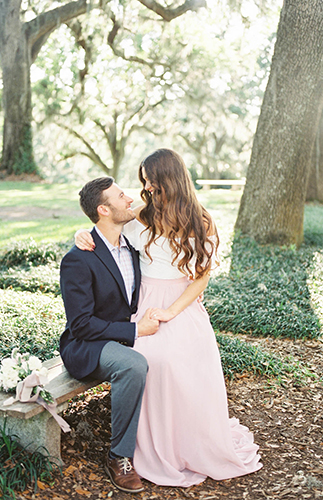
x=54, y=230
x=61, y=200
x=49, y=196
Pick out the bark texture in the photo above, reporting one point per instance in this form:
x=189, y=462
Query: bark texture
x=315, y=182
x=272, y=205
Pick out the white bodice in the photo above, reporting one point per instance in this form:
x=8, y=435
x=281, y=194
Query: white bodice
x=161, y=266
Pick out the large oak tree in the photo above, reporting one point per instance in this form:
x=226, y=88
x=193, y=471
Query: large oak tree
x=20, y=43
x=272, y=205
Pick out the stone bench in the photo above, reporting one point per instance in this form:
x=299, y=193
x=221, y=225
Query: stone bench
x=31, y=423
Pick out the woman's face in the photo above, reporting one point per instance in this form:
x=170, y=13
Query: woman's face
x=148, y=186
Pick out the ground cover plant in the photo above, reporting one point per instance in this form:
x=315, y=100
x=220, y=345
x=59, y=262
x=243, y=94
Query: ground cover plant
x=266, y=292
x=19, y=468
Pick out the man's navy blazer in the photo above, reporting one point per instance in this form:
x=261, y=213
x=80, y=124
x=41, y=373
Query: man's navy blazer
x=96, y=306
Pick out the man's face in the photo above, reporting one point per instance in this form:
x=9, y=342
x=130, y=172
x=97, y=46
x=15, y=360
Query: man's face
x=119, y=205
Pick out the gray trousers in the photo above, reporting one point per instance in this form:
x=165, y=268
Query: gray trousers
x=126, y=370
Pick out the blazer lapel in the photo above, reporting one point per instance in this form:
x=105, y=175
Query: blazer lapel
x=104, y=254
x=136, y=266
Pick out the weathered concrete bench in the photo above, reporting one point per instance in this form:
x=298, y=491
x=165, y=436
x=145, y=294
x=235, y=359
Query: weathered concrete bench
x=31, y=423
x=234, y=183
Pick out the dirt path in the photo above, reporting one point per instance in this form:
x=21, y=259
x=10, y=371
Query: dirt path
x=30, y=213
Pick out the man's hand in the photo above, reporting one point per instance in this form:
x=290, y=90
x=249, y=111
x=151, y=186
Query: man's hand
x=147, y=325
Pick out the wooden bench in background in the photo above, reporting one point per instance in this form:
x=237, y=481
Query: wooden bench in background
x=234, y=183
x=31, y=423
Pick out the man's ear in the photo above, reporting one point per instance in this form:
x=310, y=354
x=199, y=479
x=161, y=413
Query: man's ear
x=103, y=210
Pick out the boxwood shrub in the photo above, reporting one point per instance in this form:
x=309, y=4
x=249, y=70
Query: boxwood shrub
x=33, y=322
x=29, y=253
x=43, y=278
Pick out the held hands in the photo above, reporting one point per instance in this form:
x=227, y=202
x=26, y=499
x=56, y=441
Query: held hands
x=147, y=325
x=84, y=240
x=162, y=314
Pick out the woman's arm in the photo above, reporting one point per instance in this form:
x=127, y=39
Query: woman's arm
x=84, y=240
x=192, y=292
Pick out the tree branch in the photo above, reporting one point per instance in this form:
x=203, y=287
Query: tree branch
x=118, y=52
x=168, y=14
x=48, y=21
x=92, y=154
x=83, y=153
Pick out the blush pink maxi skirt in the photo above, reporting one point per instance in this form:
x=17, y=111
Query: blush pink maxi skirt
x=185, y=433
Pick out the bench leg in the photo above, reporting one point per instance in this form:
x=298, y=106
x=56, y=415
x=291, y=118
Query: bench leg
x=37, y=433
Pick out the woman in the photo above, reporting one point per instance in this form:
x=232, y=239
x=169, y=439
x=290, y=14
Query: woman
x=184, y=432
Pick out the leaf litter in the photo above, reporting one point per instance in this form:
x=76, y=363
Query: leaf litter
x=286, y=419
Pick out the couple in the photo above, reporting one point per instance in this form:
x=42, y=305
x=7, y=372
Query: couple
x=170, y=421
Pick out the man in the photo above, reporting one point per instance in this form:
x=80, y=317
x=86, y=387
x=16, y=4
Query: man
x=100, y=292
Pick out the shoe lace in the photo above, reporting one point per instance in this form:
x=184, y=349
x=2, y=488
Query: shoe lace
x=125, y=464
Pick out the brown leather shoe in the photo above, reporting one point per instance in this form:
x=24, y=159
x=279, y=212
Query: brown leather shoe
x=123, y=475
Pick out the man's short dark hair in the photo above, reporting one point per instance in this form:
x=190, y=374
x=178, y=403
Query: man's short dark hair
x=91, y=196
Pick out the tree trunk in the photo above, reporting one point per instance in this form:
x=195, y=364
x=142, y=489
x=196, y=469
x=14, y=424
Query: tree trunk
x=272, y=205
x=315, y=182
x=20, y=44
x=17, y=153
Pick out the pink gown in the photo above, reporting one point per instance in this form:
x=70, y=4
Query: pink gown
x=184, y=433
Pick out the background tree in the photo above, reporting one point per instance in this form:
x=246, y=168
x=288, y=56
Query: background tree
x=272, y=205
x=20, y=43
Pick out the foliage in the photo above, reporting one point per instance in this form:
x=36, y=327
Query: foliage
x=238, y=357
x=24, y=162
x=28, y=253
x=266, y=292
x=18, y=468
x=44, y=278
x=203, y=76
x=32, y=322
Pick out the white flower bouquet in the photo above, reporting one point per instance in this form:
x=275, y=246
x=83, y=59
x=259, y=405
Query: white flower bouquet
x=15, y=370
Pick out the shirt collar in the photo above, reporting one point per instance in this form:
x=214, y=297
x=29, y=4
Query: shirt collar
x=122, y=240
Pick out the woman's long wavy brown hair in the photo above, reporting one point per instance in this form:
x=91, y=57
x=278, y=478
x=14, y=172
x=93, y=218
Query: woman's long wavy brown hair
x=173, y=211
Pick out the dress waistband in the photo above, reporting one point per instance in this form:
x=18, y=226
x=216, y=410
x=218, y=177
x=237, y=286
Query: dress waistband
x=165, y=282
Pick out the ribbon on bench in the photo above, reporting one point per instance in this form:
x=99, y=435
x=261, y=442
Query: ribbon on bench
x=24, y=391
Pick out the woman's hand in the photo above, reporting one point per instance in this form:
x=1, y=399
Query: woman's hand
x=84, y=240
x=161, y=314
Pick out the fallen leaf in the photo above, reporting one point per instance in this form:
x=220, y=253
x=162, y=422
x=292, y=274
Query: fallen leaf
x=93, y=477
x=70, y=470
x=41, y=485
x=83, y=492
